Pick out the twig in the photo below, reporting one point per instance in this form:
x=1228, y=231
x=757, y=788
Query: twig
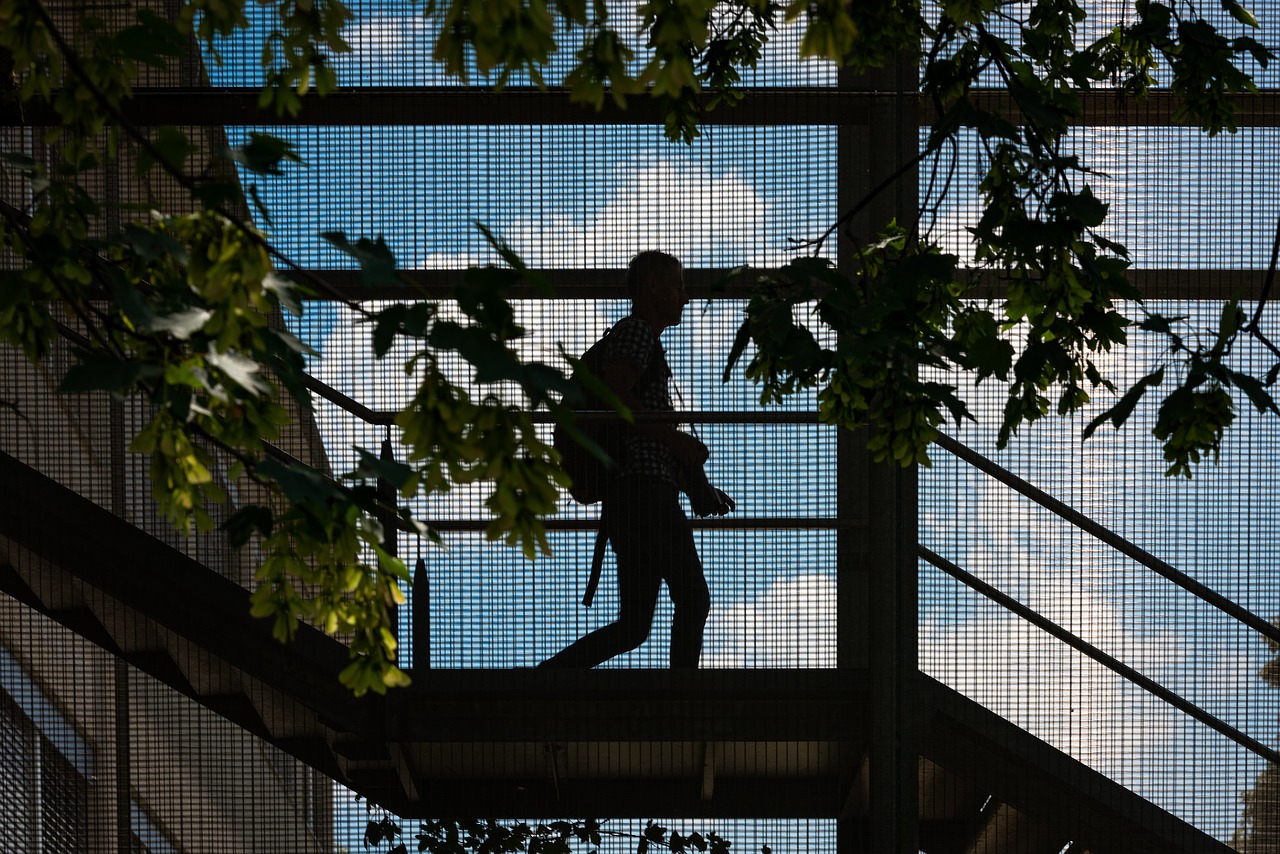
x=817, y=242
x=1252, y=325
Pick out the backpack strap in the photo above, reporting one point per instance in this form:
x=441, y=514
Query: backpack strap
x=597, y=565
x=602, y=536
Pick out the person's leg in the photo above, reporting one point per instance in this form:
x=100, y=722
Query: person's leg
x=626, y=516
x=687, y=586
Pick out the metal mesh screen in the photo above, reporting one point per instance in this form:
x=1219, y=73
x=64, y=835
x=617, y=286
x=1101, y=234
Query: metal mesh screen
x=120, y=734
x=563, y=196
x=1223, y=219
x=1218, y=528
x=490, y=607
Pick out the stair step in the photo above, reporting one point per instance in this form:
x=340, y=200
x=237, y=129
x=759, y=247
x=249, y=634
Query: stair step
x=947, y=796
x=161, y=666
x=1008, y=831
x=239, y=709
x=315, y=751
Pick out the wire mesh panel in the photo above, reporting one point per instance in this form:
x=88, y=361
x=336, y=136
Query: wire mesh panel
x=563, y=196
x=623, y=835
x=392, y=44
x=99, y=756
x=1222, y=219
x=491, y=607
x=1219, y=529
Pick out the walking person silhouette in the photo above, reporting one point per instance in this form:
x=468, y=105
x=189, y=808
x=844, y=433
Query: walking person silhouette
x=640, y=511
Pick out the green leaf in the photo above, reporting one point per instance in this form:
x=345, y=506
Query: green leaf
x=22, y=162
x=152, y=41
x=1240, y=13
x=1085, y=207
x=541, y=381
x=154, y=245
x=740, y=342
x=181, y=324
x=264, y=154
x=377, y=264
x=170, y=148
x=1160, y=323
x=241, y=370
x=241, y=525
x=301, y=484
x=386, y=325
x=1123, y=408
x=372, y=466
x=98, y=371
x=1254, y=389
x=286, y=291
x=216, y=194
x=259, y=205
x=492, y=361
x=285, y=352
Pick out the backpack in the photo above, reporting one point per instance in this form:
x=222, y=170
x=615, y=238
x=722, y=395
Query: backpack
x=590, y=475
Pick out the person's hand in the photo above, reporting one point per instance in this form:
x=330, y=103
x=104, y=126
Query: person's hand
x=689, y=450
x=705, y=499
x=725, y=505
x=710, y=501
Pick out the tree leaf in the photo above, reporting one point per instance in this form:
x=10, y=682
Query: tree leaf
x=377, y=264
x=1257, y=393
x=181, y=324
x=740, y=341
x=241, y=525
x=1120, y=412
x=152, y=41
x=98, y=371
x=265, y=154
x=373, y=466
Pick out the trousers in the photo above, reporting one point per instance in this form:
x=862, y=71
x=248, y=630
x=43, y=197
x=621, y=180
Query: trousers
x=653, y=541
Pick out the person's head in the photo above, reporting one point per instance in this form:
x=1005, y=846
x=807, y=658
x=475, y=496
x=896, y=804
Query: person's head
x=655, y=281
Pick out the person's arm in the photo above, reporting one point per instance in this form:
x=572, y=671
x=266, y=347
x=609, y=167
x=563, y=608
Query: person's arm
x=621, y=378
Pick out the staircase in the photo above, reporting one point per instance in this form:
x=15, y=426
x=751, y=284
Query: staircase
x=709, y=743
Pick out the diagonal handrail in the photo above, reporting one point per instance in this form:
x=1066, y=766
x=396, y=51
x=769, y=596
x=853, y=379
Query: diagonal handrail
x=1109, y=537
x=1114, y=664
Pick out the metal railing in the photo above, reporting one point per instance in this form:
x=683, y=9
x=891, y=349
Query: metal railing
x=421, y=587
x=1136, y=553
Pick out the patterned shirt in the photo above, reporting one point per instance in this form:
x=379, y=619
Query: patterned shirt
x=632, y=340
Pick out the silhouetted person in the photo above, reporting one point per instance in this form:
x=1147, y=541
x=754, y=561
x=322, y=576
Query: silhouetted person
x=640, y=511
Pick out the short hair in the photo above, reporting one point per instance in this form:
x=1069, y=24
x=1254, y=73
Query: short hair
x=648, y=266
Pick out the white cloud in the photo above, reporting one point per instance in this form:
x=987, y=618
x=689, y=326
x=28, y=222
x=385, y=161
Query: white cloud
x=668, y=203
x=390, y=49
x=791, y=624
x=716, y=215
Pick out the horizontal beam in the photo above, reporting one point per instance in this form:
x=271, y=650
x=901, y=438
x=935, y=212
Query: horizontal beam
x=1212, y=284
x=762, y=797
x=629, y=705
x=482, y=106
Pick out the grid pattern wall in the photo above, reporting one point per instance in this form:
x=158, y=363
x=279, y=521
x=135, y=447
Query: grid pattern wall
x=96, y=753
x=1220, y=528
x=621, y=835
x=562, y=196
x=1179, y=200
x=391, y=45
x=111, y=743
